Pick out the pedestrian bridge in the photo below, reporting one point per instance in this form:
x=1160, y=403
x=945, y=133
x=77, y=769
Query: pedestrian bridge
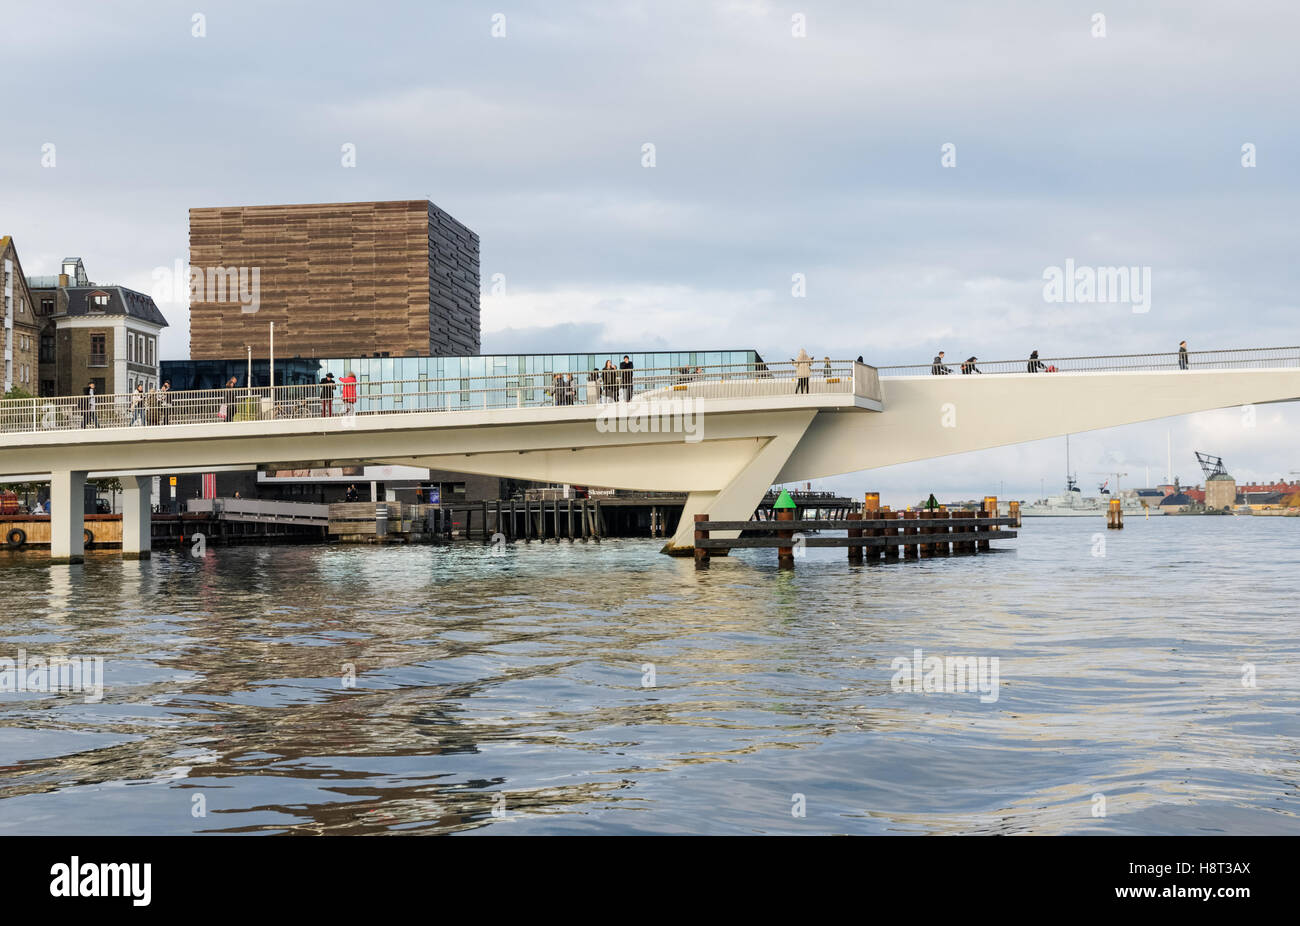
x=721, y=434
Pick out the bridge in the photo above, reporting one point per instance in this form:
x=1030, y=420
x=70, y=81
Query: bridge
x=721, y=434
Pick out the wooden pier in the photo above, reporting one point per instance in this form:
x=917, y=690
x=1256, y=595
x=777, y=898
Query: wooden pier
x=872, y=536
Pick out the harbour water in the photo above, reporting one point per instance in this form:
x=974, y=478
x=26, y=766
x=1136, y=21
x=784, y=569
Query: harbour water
x=1147, y=684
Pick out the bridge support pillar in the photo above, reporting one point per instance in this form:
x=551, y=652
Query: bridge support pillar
x=67, y=517
x=137, y=517
x=737, y=500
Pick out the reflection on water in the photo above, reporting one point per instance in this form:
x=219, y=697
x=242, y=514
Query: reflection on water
x=510, y=693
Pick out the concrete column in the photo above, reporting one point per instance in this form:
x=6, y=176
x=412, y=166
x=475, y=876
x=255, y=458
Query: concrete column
x=137, y=516
x=737, y=500
x=67, y=517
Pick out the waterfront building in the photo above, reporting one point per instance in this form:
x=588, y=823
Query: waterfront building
x=372, y=278
x=1220, y=492
x=94, y=332
x=21, y=325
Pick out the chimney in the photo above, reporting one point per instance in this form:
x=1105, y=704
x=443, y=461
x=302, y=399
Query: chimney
x=63, y=279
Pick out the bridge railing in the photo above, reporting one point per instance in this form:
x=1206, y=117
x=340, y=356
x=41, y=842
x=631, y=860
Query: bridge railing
x=1244, y=359
x=512, y=390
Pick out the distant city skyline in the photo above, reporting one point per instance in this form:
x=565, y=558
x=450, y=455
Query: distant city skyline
x=884, y=182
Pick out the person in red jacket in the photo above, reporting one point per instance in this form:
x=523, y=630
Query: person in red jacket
x=349, y=384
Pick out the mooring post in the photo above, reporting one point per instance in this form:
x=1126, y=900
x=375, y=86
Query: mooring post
x=910, y=549
x=381, y=521
x=944, y=529
x=597, y=522
x=990, y=511
x=870, y=510
x=1114, y=515
x=924, y=550
x=855, y=553
x=1013, y=509
x=785, y=555
x=701, y=553
x=891, y=550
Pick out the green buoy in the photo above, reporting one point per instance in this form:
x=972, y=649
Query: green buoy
x=785, y=501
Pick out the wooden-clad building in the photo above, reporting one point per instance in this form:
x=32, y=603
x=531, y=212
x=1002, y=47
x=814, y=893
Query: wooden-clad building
x=338, y=279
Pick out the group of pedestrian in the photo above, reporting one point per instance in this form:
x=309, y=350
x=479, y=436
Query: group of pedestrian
x=348, y=385
x=609, y=383
x=563, y=389
x=939, y=368
x=147, y=407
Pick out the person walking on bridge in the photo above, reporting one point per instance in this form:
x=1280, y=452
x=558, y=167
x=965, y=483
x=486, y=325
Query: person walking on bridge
x=137, y=405
x=969, y=366
x=802, y=371
x=625, y=375
x=1182, y=355
x=349, y=392
x=227, y=410
x=1035, y=365
x=937, y=367
x=327, y=396
x=89, y=415
x=608, y=382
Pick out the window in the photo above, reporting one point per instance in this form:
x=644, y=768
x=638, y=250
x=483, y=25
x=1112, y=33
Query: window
x=47, y=348
x=98, y=301
x=47, y=306
x=98, y=350
x=151, y=344
x=21, y=310
x=130, y=347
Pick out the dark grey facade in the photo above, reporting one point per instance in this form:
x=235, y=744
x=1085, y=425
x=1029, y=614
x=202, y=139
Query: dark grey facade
x=454, y=328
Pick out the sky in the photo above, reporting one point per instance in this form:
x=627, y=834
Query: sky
x=800, y=138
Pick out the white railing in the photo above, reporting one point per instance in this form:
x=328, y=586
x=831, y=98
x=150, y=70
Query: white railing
x=1254, y=358
x=160, y=408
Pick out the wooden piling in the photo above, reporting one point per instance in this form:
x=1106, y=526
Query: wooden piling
x=870, y=508
x=1114, y=515
x=701, y=555
x=990, y=511
x=855, y=553
x=943, y=547
x=1013, y=509
x=912, y=549
x=891, y=551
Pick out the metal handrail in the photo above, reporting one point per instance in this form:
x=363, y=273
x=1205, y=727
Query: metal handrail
x=451, y=394
x=1243, y=358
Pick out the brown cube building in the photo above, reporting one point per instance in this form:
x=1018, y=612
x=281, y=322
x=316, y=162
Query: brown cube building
x=340, y=279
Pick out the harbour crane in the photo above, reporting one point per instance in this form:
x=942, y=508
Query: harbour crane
x=1211, y=465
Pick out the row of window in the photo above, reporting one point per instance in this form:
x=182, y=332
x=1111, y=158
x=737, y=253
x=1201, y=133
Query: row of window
x=19, y=374
x=140, y=348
